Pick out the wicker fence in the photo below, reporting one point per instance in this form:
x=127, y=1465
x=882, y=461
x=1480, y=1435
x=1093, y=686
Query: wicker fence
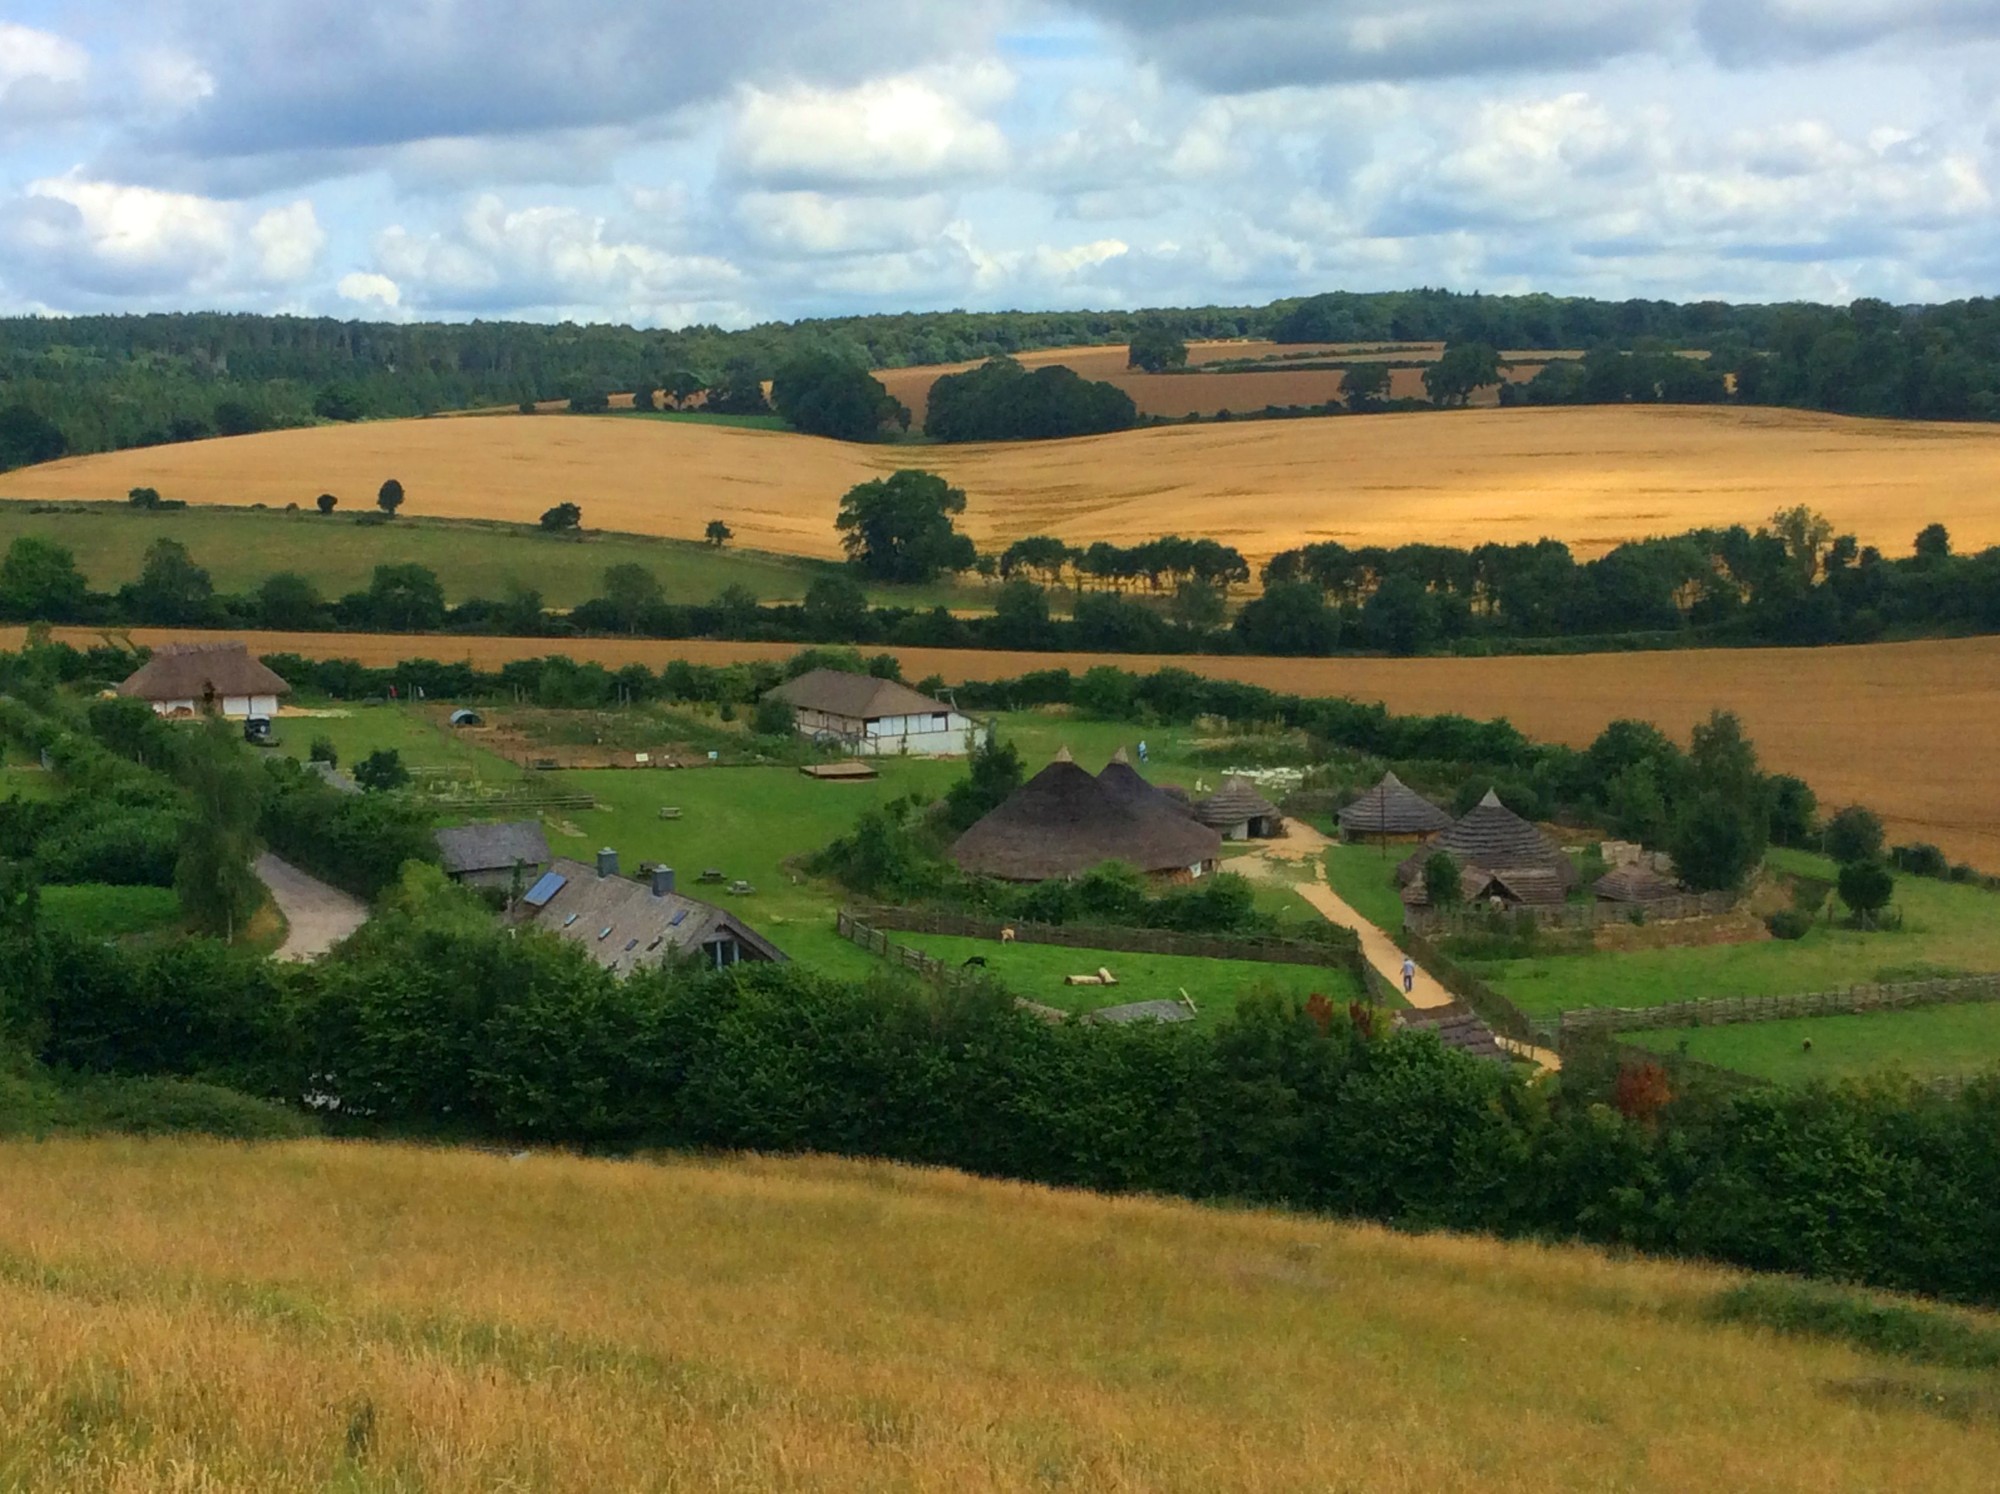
x=1344, y=954
x=1447, y=922
x=876, y=942
x=1724, y=1010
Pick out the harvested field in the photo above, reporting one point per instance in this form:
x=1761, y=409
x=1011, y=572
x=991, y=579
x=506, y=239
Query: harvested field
x=1590, y=477
x=1911, y=729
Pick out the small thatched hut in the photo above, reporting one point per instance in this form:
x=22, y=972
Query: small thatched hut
x=1523, y=864
x=1239, y=812
x=1392, y=811
x=1635, y=882
x=1062, y=822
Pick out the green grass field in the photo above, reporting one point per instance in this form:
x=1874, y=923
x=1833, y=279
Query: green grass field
x=96, y=912
x=1362, y=876
x=1947, y=929
x=239, y=547
x=1926, y=1042
x=702, y=417
x=1036, y=971
x=415, y=731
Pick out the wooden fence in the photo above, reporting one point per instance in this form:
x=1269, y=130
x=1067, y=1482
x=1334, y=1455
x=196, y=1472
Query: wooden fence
x=1495, y=1010
x=1344, y=954
x=1447, y=922
x=1721, y=1011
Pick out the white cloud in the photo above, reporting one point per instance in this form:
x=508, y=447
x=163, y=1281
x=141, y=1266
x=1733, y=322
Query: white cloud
x=814, y=223
x=125, y=234
x=885, y=133
x=41, y=75
x=377, y=292
x=288, y=241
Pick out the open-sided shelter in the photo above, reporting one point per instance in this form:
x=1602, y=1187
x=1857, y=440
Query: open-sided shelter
x=1062, y=822
x=185, y=679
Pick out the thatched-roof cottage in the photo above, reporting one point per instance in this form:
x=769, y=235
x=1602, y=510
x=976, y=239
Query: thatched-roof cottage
x=1392, y=811
x=1062, y=822
x=1239, y=812
x=1634, y=883
x=206, y=678
x=876, y=718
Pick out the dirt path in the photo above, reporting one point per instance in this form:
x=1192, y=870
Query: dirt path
x=318, y=916
x=1303, y=843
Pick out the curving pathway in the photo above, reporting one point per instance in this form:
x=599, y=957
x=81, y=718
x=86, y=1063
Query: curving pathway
x=317, y=916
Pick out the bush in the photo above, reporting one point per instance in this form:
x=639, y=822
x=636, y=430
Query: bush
x=1854, y=834
x=382, y=770
x=1920, y=860
x=772, y=718
x=1866, y=887
x=1789, y=923
x=173, y=1107
x=323, y=751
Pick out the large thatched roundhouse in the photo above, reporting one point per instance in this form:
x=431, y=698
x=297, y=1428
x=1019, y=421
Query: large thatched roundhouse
x=1512, y=859
x=1128, y=786
x=1392, y=811
x=1062, y=822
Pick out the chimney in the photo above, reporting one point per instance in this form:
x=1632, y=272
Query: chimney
x=663, y=881
x=607, y=862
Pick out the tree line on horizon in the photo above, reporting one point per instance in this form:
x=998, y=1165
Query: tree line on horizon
x=98, y=383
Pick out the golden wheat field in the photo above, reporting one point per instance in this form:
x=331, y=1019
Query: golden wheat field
x=1592, y=477
x=309, y=1317
x=1174, y=395
x=1910, y=729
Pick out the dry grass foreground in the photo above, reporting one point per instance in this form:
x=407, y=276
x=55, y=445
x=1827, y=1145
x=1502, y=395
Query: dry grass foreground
x=315, y=1316
x=1590, y=477
x=1910, y=729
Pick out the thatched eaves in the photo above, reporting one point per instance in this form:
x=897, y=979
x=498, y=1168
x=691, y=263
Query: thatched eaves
x=1062, y=822
x=1393, y=808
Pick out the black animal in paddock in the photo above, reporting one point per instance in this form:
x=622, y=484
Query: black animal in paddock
x=971, y=960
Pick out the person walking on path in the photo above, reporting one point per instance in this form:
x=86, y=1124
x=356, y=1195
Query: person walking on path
x=1409, y=974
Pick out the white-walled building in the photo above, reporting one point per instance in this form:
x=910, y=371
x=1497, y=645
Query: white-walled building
x=877, y=718
x=190, y=679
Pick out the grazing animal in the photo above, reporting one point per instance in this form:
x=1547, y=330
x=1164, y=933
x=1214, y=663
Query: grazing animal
x=971, y=960
x=1007, y=936
x=1808, y=1047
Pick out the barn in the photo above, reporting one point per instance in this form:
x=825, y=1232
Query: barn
x=876, y=718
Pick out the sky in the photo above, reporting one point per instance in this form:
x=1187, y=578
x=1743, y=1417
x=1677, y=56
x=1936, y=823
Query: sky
x=687, y=161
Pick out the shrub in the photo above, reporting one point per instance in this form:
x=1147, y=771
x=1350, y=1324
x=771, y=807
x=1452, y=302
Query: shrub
x=382, y=770
x=772, y=718
x=1854, y=834
x=1866, y=887
x=323, y=751
x=169, y=1107
x=1920, y=860
x=1789, y=923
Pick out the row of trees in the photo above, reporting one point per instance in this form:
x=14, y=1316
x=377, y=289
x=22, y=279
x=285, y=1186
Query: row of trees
x=1003, y=401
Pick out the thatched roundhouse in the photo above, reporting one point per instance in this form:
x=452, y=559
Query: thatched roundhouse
x=1239, y=812
x=1129, y=787
x=1520, y=864
x=1392, y=811
x=1634, y=883
x=1062, y=822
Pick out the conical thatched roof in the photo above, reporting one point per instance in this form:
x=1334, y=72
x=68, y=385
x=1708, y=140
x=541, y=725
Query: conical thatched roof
x=1127, y=785
x=1234, y=803
x=1062, y=822
x=1495, y=838
x=1393, y=808
x=1634, y=884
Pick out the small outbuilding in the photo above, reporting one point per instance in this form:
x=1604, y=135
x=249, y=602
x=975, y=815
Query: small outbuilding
x=1634, y=882
x=1392, y=811
x=1062, y=822
x=876, y=718
x=206, y=679
x=491, y=855
x=464, y=716
x=1238, y=812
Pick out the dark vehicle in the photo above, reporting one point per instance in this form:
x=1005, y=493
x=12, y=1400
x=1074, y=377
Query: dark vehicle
x=257, y=731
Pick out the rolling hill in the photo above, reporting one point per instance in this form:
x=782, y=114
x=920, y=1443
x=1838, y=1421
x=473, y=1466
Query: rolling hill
x=378, y=1317
x=1589, y=476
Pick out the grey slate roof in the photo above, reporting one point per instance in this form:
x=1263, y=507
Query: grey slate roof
x=1142, y=1011
x=485, y=848
x=860, y=697
x=189, y=671
x=624, y=925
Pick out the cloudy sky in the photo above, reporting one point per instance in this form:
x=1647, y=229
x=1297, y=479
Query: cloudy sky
x=671, y=161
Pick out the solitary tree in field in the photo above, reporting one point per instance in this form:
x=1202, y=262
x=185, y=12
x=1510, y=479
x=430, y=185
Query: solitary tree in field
x=1464, y=368
x=718, y=533
x=327, y=503
x=563, y=516
x=390, y=498
x=1155, y=349
x=1365, y=386
x=1866, y=887
x=899, y=528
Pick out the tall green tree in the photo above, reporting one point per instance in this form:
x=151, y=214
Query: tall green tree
x=405, y=598
x=993, y=772
x=1365, y=386
x=213, y=878
x=39, y=582
x=633, y=592
x=1463, y=370
x=1155, y=349
x=826, y=395
x=899, y=528
x=389, y=497
x=289, y=602
x=171, y=588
